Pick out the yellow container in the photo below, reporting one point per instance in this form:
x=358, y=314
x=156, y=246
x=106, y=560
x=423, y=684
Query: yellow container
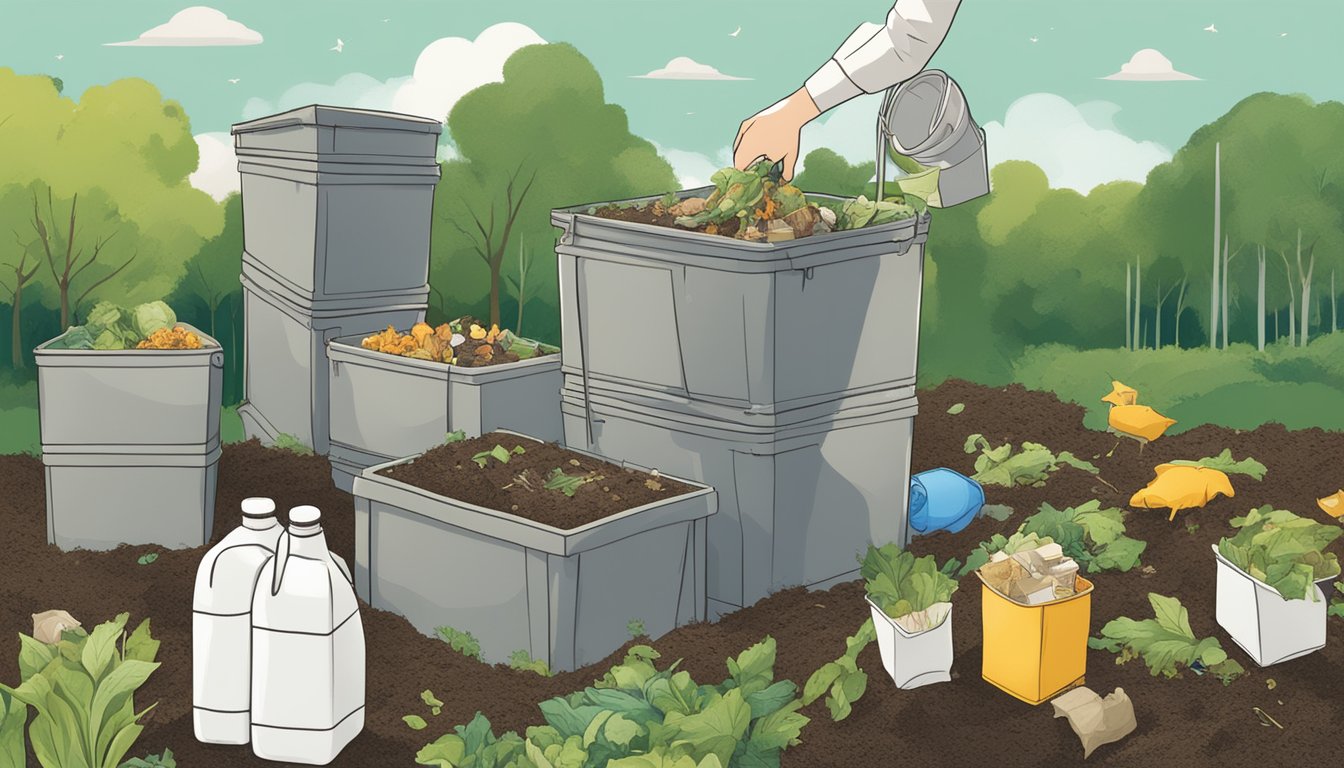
x=1036, y=651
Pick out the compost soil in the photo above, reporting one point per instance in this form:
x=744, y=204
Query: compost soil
x=645, y=214
x=519, y=485
x=1191, y=721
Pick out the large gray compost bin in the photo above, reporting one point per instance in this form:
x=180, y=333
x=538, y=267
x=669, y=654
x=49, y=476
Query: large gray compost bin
x=337, y=202
x=285, y=366
x=744, y=324
x=130, y=444
x=387, y=406
x=564, y=596
x=801, y=494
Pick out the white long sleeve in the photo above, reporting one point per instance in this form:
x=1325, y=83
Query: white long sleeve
x=877, y=56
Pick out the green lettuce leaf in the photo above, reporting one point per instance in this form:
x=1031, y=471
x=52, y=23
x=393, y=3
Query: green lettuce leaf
x=1166, y=642
x=152, y=316
x=1283, y=550
x=1224, y=463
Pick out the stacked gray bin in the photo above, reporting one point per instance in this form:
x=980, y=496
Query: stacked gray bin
x=337, y=205
x=130, y=444
x=386, y=407
x=780, y=374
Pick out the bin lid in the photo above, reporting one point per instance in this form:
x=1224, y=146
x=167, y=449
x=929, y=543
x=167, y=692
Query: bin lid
x=340, y=117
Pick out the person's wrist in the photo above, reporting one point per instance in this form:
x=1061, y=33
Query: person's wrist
x=802, y=106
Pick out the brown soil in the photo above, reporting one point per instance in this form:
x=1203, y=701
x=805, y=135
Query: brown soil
x=645, y=214
x=517, y=487
x=1191, y=721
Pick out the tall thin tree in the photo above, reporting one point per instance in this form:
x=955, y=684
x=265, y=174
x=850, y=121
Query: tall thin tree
x=21, y=277
x=1260, y=300
x=1217, y=233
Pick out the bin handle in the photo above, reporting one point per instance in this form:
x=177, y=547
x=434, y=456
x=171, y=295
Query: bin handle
x=217, y=359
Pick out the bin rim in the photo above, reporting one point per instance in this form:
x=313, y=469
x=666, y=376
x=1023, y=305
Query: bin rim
x=209, y=346
x=351, y=350
x=1087, y=590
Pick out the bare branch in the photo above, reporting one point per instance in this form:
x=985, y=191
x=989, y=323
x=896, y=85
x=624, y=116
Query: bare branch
x=97, y=249
x=105, y=278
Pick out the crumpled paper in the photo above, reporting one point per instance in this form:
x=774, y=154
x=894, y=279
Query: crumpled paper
x=1097, y=721
x=48, y=626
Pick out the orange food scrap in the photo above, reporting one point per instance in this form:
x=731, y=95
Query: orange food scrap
x=1178, y=487
x=1138, y=421
x=1121, y=395
x=1332, y=505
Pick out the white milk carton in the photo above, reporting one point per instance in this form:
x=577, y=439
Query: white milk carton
x=307, y=650
x=221, y=631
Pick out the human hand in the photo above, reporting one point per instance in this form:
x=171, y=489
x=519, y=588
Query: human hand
x=773, y=133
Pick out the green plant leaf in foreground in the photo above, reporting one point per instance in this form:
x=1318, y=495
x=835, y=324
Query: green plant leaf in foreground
x=1224, y=463
x=1283, y=550
x=1166, y=642
x=1337, y=602
x=152, y=761
x=13, y=717
x=842, y=677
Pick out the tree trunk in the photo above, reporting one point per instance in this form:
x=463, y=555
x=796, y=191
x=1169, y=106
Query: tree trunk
x=1129, y=308
x=1292, y=301
x=1260, y=301
x=494, y=292
x=1180, y=309
x=16, y=332
x=1334, y=305
x=1217, y=233
x=1157, y=318
x=1138, y=302
x=1227, y=261
x=1305, y=278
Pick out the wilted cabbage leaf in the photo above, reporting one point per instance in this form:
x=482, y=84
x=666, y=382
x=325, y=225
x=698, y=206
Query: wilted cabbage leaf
x=151, y=316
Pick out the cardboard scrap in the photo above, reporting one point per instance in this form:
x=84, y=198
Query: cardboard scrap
x=1031, y=576
x=1097, y=721
x=48, y=626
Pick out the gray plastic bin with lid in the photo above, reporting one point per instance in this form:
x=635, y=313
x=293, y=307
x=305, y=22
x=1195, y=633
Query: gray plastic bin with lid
x=164, y=400
x=387, y=406
x=798, y=503
x=746, y=324
x=927, y=119
x=285, y=367
x=564, y=596
x=133, y=496
x=338, y=202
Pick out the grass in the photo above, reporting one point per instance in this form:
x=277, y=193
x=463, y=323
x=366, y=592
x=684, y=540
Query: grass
x=1238, y=387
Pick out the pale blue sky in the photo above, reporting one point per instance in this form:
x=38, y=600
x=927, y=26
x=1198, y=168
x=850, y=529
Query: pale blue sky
x=989, y=52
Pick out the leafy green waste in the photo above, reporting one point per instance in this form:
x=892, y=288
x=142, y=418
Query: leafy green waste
x=83, y=688
x=455, y=436
x=1031, y=465
x=1283, y=550
x=635, y=627
x=431, y=701
x=463, y=642
x=112, y=327
x=415, y=722
x=638, y=716
x=841, y=680
x=1224, y=463
x=152, y=761
x=1337, y=602
x=862, y=212
x=1094, y=537
x=901, y=584
x=498, y=453
x=1000, y=512
x=148, y=558
x=557, y=480
x=1166, y=643
x=288, y=442
x=523, y=662
x=956, y=408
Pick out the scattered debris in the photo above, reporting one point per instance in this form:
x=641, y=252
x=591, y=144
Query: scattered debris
x=146, y=559
x=48, y=626
x=1333, y=505
x=956, y=409
x=1097, y=721
x=1271, y=684
x=1266, y=719
x=1000, y=512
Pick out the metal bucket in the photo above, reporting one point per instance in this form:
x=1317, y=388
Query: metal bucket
x=927, y=119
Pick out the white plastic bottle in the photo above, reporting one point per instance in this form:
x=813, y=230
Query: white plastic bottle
x=221, y=631
x=307, y=650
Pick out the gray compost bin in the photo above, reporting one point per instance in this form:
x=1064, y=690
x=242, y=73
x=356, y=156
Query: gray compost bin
x=387, y=406
x=285, y=368
x=564, y=596
x=740, y=323
x=337, y=203
x=801, y=493
x=130, y=444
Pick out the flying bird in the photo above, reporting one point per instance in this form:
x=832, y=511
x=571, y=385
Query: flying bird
x=735, y=34
x=60, y=56
x=339, y=46
x=233, y=80
x=386, y=20
x=1210, y=28
x=1034, y=39
x=1283, y=34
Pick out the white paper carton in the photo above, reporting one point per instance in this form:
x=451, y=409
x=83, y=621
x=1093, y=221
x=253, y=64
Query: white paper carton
x=915, y=659
x=1266, y=626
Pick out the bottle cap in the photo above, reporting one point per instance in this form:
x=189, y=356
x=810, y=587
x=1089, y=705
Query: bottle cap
x=258, y=506
x=305, y=515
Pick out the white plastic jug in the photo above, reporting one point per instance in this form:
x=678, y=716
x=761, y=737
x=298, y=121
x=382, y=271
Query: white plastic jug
x=307, y=650
x=221, y=628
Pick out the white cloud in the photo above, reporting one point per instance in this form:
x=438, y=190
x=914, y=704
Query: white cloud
x=1148, y=64
x=444, y=72
x=686, y=68
x=1078, y=147
x=195, y=26
x=217, y=172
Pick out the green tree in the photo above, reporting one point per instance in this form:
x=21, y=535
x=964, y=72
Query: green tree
x=22, y=266
x=75, y=247
x=547, y=130
x=826, y=172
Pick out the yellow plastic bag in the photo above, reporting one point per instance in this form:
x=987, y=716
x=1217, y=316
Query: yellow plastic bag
x=1138, y=421
x=1178, y=487
x=1121, y=395
x=1332, y=505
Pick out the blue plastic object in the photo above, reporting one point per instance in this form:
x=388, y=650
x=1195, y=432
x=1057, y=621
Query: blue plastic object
x=943, y=500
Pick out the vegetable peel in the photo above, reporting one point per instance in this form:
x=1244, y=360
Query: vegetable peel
x=1177, y=487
